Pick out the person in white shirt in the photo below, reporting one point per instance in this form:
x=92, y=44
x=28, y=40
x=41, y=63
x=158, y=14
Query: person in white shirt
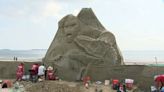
x=41, y=72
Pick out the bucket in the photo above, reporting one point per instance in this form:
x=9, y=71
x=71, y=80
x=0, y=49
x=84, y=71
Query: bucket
x=106, y=82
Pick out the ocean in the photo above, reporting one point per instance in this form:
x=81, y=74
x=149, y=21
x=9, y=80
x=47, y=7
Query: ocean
x=130, y=57
x=143, y=57
x=25, y=55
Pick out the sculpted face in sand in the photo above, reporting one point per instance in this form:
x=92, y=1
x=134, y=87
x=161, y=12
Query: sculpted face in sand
x=71, y=28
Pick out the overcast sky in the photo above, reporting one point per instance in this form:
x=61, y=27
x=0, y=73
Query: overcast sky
x=32, y=24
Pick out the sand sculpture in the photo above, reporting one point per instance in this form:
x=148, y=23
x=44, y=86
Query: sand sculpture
x=80, y=42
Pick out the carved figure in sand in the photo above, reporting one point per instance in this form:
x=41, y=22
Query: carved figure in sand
x=81, y=42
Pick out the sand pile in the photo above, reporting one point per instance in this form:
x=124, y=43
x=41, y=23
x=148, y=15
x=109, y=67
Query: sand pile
x=51, y=86
x=63, y=86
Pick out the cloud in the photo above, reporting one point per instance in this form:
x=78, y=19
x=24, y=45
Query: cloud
x=13, y=12
x=35, y=11
x=76, y=11
x=47, y=9
x=52, y=8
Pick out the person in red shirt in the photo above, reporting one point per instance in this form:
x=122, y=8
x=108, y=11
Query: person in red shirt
x=20, y=72
x=34, y=72
x=51, y=74
x=86, y=81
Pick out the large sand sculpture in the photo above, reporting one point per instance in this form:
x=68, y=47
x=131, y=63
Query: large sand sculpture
x=80, y=42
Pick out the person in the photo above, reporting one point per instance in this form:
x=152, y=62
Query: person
x=41, y=72
x=162, y=89
x=86, y=81
x=34, y=72
x=117, y=88
x=50, y=73
x=124, y=87
x=45, y=74
x=121, y=89
x=20, y=72
x=6, y=84
x=0, y=83
x=16, y=58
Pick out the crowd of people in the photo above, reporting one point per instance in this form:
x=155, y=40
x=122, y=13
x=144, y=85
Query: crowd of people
x=40, y=73
x=36, y=73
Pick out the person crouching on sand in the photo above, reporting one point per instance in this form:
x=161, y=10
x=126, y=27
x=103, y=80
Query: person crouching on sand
x=51, y=73
x=20, y=72
x=86, y=81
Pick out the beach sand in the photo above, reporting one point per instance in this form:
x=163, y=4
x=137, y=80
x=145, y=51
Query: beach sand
x=60, y=86
x=64, y=86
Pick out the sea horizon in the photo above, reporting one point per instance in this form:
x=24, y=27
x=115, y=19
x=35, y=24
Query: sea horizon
x=130, y=56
